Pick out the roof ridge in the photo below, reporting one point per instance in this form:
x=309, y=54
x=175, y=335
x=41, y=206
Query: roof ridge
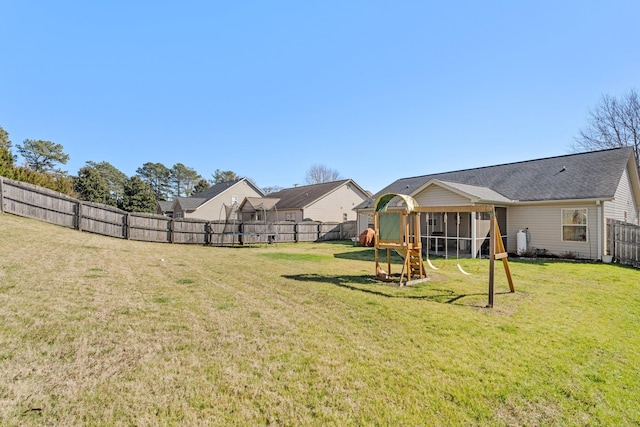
x=517, y=163
x=319, y=183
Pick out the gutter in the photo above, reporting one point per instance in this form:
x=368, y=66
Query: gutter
x=594, y=200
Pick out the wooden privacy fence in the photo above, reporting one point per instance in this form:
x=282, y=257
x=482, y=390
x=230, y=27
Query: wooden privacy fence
x=623, y=241
x=39, y=203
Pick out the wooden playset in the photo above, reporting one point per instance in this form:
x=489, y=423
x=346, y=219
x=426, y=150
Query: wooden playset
x=398, y=228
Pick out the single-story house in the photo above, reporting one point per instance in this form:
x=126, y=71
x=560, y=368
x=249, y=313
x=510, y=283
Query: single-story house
x=559, y=204
x=326, y=202
x=210, y=204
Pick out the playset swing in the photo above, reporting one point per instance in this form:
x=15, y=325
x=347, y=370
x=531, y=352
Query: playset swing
x=458, y=245
x=429, y=263
x=399, y=229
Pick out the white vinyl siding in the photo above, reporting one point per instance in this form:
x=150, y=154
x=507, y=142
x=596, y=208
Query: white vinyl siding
x=437, y=196
x=623, y=206
x=334, y=205
x=365, y=219
x=290, y=215
x=545, y=229
x=213, y=209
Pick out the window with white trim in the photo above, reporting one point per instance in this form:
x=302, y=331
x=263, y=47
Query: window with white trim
x=574, y=225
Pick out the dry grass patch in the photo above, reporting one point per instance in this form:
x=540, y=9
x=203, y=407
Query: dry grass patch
x=102, y=331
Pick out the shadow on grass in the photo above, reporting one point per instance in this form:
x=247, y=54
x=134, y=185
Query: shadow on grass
x=368, y=254
x=389, y=290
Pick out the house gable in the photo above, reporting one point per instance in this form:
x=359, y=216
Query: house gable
x=444, y=193
x=226, y=194
x=328, y=201
x=208, y=204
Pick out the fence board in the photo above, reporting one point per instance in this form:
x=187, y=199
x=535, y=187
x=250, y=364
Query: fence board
x=39, y=203
x=624, y=242
x=329, y=231
x=224, y=234
x=307, y=231
x=285, y=231
x=149, y=228
x=190, y=231
x=102, y=219
x=42, y=204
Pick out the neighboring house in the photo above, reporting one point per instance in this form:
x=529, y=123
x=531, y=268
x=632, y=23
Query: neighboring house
x=210, y=204
x=258, y=209
x=164, y=207
x=561, y=204
x=327, y=202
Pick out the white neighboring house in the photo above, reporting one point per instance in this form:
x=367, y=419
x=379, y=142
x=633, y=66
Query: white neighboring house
x=562, y=203
x=327, y=202
x=210, y=203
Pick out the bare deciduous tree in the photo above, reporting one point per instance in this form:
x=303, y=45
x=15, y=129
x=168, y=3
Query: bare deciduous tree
x=614, y=122
x=271, y=189
x=318, y=174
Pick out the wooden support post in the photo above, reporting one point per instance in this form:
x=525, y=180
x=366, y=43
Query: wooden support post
x=1, y=194
x=207, y=233
x=389, y=262
x=79, y=216
x=492, y=258
x=375, y=249
x=502, y=254
x=126, y=226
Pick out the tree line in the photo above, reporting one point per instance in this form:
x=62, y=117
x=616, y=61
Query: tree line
x=101, y=182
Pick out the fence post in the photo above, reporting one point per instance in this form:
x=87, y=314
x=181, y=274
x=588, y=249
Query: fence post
x=126, y=226
x=171, y=230
x=1, y=194
x=79, y=216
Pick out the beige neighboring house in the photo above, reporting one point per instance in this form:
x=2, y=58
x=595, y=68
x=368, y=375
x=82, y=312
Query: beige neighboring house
x=558, y=205
x=210, y=203
x=327, y=202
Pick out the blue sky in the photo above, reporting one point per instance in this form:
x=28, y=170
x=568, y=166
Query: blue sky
x=378, y=90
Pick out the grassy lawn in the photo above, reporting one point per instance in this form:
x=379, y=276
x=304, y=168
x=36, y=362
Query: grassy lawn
x=100, y=331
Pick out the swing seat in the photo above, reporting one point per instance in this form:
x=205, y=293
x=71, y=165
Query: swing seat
x=462, y=270
x=433, y=267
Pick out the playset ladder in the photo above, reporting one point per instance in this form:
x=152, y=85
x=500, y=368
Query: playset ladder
x=413, y=266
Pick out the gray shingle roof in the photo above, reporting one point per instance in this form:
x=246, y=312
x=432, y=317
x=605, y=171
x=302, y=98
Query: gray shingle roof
x=165, y=206
x=190, y=203
x=589, y=175
x=299, y=197
x=215, y=189
x=196, y=199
